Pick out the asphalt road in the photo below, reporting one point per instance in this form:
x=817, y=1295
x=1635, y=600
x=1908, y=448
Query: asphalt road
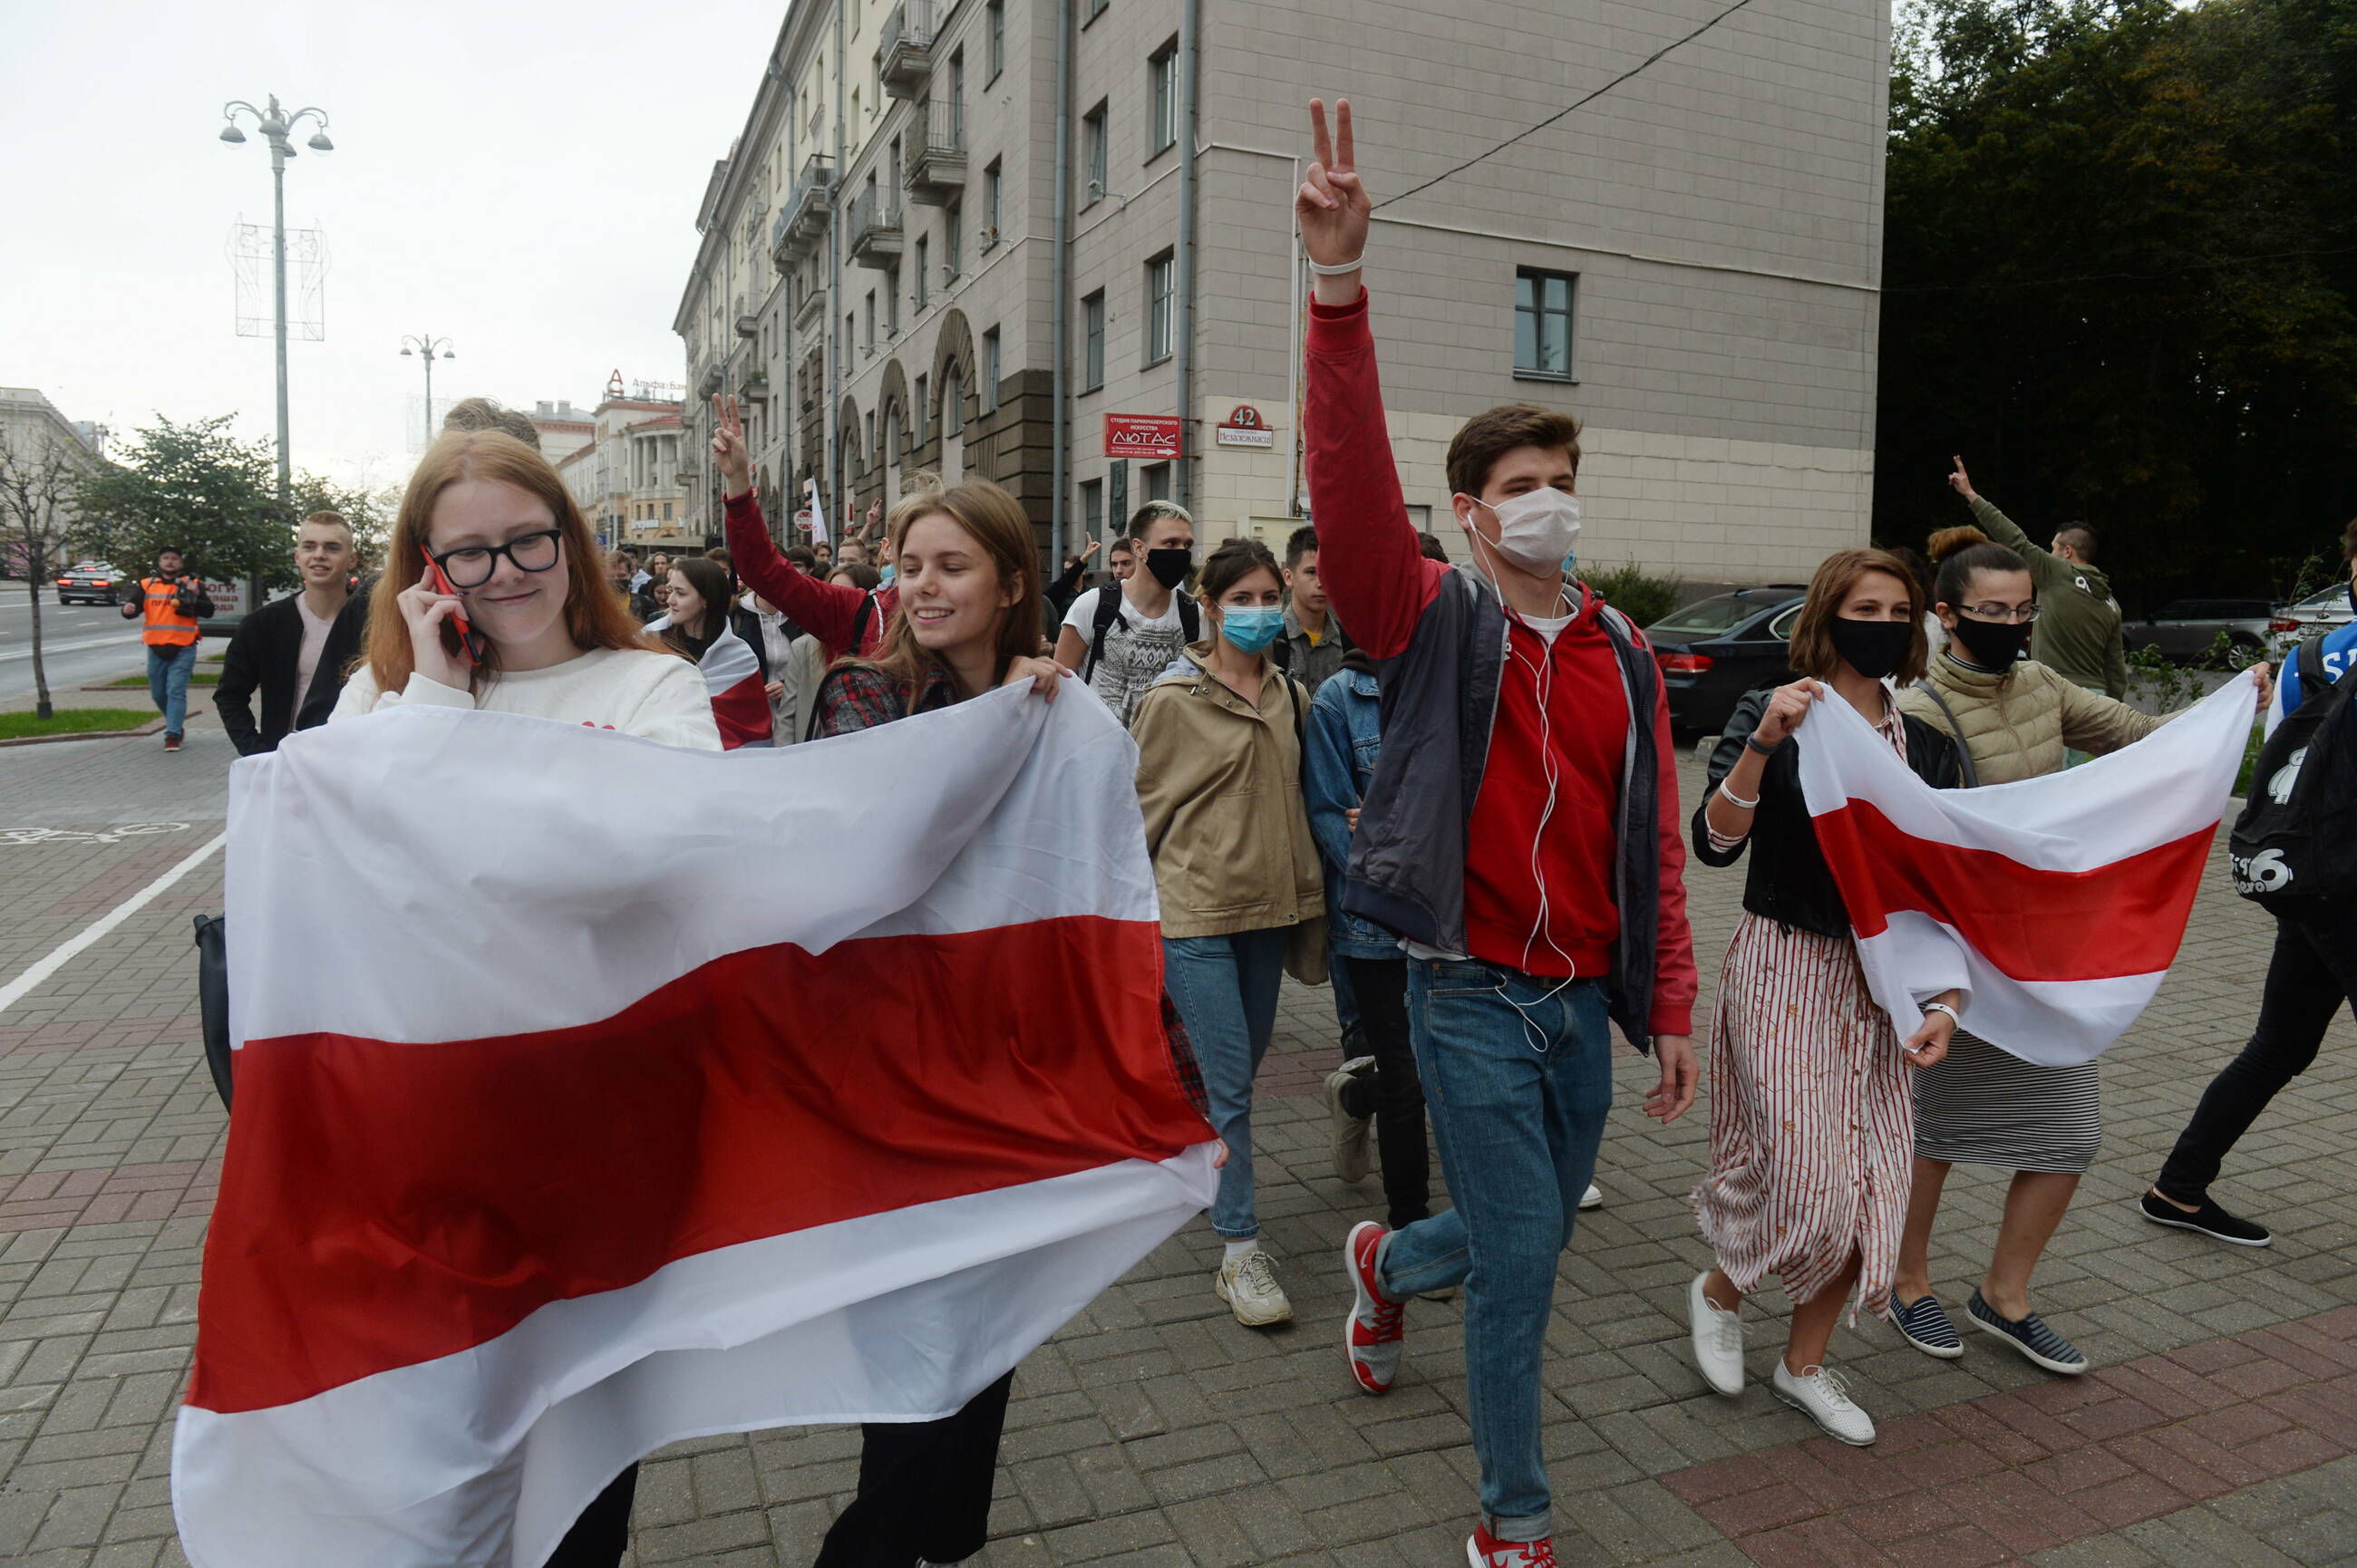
x=82, y=645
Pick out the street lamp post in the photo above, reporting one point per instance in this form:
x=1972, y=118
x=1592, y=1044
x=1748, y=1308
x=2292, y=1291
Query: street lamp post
x=424, y=343
x=277, y=127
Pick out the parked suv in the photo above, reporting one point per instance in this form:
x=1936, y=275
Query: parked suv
x=2186, y=629
x=90, y=583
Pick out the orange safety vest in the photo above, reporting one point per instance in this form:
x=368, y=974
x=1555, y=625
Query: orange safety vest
x=167, y=627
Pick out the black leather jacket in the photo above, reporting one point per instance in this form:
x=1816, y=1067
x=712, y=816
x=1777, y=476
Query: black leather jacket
x=1788, y=881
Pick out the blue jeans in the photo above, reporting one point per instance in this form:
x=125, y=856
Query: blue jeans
x=168, y=670
x=1518, y=1095
x=1225, y=991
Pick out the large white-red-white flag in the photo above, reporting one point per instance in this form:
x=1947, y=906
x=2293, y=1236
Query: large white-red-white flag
x=2057, y=902
x=561, y=1135
x=732, y=679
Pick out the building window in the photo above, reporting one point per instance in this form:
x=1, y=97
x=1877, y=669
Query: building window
x=1161, y=297
x=1155, y=481
x=957, y=102
x=892, y=300
x=871, y=321
x=1096, y=9
x=924, y=254
x=849, y=334
x=1543, y=324
x=953, y=404
x=919, y=413
x=998, y=30
x=666, y=511
x=1163, y=71
x=1092, y=326
x=871, y=432
x=952, y=241
x=1092, y=508
x=989, y=388
x=1094, y=161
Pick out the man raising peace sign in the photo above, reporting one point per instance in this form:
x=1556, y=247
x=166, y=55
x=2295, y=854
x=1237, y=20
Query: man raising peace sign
x=1535, y=871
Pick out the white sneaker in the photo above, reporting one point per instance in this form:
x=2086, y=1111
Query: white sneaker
x=1826, y=1401
x=1718, y=1340
x=1593, y=1198
x=1249, y=1287
x=1353, y=1158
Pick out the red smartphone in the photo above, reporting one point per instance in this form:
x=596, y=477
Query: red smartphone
x=471, y=646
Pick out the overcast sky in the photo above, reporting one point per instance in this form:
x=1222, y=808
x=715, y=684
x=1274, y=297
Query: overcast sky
x=520, y=180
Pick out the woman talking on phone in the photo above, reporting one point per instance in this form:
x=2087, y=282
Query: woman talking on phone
x=1809, y=1109
x=492, y=598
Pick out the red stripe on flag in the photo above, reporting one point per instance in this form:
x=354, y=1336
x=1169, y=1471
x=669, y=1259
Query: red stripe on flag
x=742, y=713
x=385, y=1204
x=2127, y=918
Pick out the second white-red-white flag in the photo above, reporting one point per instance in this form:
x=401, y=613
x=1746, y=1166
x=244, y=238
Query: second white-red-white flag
x=2057, y=903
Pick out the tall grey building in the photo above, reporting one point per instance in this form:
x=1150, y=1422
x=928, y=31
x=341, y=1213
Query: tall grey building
x=1689, y=264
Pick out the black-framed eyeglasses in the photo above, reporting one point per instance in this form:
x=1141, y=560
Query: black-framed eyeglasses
x=471, y=566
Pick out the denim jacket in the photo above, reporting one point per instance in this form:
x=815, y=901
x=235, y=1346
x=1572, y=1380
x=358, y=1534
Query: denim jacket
x=1345, y=735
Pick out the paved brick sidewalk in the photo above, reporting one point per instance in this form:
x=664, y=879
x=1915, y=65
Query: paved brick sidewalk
x=1154, y=1431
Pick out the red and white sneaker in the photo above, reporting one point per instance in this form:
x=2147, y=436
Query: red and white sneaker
x=1483, y=1550
x=1374, y=1331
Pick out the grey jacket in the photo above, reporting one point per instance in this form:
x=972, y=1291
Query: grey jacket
x=1439, y=700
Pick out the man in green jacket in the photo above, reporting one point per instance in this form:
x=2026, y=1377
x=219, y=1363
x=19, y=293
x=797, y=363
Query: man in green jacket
x=2078, y=630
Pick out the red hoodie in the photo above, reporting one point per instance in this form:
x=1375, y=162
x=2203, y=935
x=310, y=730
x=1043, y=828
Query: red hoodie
x=828, y=611
x=1541, y=902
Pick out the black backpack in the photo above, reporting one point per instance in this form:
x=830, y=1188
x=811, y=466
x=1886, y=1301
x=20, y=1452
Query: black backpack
x=1108, y=611
x=2295, y=845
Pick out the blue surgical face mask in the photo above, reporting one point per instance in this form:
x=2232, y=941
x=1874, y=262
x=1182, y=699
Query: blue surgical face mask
x=1251, y=630
x=887, y=574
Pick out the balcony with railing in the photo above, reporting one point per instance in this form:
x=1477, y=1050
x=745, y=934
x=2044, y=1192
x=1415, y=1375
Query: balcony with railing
x=905, y=58
x=936, y=152
x=801, y=221
x=873, y=231
x=807, y=307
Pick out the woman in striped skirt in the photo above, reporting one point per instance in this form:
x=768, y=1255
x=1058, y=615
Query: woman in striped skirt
x=1809, y=1136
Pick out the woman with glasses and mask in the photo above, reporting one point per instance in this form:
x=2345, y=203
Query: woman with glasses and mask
x=1218, y=774
x=1983, y=1105
x=1809, y=1123
x=547, y=635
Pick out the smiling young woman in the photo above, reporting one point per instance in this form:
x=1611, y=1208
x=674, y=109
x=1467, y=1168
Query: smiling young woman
x=525, y=574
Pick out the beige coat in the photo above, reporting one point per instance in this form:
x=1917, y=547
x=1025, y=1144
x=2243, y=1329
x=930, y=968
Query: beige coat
x=1221, y=786
x=2017, y=724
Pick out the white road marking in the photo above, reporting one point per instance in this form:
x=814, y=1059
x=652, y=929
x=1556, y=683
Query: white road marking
x=24, y=984
x=88, y=642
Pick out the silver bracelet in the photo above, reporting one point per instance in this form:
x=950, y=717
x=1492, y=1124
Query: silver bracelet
x=1338, y=268
x=1732, y=799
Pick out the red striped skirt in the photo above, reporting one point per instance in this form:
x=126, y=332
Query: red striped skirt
x=1811, y=1122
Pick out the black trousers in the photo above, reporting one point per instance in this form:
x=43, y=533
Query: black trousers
x=2311, y=976
x=1392, y=1093
x=602, y=1533
x=924, y=1489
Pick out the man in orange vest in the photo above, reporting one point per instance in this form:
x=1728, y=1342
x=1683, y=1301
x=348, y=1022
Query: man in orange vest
x=173, y=604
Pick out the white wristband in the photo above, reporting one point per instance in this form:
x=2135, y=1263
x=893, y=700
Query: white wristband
x=1737, y=801
x=1953, y=1017
x=1338, y=268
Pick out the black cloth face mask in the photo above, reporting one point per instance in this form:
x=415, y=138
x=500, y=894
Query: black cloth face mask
x=1994, y=644
x=1170, y=566
x=1875, y=649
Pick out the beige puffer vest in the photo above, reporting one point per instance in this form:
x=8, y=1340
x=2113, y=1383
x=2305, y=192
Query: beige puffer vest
x=2017, y=724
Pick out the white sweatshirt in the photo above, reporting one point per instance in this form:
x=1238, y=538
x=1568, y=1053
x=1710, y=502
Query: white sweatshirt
x=655, y=696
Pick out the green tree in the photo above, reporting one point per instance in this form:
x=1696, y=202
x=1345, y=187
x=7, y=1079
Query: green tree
x=2120, y=262
x=197, y=487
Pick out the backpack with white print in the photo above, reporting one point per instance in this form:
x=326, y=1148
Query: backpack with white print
x=2295, y=845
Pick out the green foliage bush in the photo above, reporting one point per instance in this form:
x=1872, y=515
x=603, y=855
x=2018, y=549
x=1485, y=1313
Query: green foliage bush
x=1635, y=591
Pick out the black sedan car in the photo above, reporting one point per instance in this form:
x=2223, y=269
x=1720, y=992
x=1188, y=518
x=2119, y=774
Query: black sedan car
x=1716, y=650
x=90, y=583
